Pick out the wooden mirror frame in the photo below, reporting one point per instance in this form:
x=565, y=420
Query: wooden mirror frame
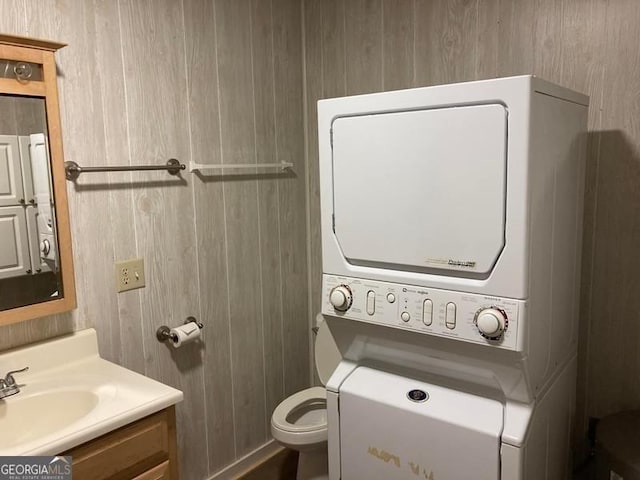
x=42, y=52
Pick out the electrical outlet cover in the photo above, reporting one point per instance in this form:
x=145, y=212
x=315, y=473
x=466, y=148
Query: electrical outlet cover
x=130, y=274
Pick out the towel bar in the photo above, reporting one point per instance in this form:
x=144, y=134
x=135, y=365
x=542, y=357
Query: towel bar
x=73, y=170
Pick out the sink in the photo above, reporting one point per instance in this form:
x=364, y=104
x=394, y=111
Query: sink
x=70, y=395
x=33, y=416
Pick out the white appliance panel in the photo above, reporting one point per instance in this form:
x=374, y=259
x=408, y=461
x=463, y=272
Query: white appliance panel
x=431, y=311
x=386, y=436
x=422, y=190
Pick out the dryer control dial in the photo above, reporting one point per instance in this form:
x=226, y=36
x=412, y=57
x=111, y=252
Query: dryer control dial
x=491, y=322
x=341, y=298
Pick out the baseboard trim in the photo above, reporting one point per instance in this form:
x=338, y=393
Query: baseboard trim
x=249, y=462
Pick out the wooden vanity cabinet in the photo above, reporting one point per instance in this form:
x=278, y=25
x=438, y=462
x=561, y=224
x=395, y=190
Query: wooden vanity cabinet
x=143, y=450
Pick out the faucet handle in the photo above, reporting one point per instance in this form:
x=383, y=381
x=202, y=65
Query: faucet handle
x=9, y=380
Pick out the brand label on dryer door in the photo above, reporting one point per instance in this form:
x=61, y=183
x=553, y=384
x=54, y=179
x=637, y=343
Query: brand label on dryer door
x=451, y=262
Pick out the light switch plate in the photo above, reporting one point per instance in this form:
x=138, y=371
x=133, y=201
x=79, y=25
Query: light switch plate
x=129, y=274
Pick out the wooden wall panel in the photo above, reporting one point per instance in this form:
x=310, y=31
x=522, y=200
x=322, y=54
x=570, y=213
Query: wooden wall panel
x=398, y=18
x=363, y=46
x=209, y=201
x=487, y=44
x=268, y=203
x=163, y=208
x=80, y=99
x=287, y=45
x=314, y=88
x=234, y=49
x=614, y=363
x=445, y=41
x=121, y=340
x=516, y=38
x=584, y=30
x=13, y=19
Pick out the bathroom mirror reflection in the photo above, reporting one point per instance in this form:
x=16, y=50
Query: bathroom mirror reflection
x=29, y=263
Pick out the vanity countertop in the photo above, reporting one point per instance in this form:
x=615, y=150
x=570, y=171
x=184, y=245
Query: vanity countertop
x=71, y=395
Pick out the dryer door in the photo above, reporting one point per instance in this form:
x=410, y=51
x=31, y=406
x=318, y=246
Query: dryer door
x=422, y=190
x=384, y=435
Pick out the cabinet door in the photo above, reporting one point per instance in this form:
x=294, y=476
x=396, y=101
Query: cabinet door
x=11, y=189
x=131, y=452
x=14, y=254
x=161, y=472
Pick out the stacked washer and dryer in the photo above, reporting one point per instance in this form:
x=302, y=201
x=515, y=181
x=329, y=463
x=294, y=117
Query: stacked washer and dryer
x=451, y=244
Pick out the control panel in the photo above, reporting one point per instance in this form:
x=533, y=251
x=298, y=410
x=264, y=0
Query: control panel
x=463, y=316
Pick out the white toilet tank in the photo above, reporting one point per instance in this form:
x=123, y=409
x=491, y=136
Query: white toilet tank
x=327, y=354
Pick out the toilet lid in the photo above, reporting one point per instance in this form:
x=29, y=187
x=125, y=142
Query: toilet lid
x=327, y=354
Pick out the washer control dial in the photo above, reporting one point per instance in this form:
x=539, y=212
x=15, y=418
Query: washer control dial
x=341, y=298
x=491, y=322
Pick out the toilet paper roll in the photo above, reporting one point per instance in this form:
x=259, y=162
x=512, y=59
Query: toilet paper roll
x=186, y=333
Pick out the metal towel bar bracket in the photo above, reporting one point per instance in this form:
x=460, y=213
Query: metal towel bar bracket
x=73, y=170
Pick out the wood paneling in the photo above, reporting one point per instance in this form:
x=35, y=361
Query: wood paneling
x=313, y=68
x=216, y=81
x=590, y=46
x=584, y=29
x=13, y=19
x=445, y=41
x=122, y=338
x=398, y=17
x=289, y=113
x=363, y=46
x=268, y=202
x=614, y=362
x=235, y=61
x=202, y=86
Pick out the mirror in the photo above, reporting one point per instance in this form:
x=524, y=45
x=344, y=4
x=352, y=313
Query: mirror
x=29, y=267
x=36, y=270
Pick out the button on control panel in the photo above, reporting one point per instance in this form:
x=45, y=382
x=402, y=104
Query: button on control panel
x=444, y=313
x=450, y=316
x=371, y=302
x=427, y=312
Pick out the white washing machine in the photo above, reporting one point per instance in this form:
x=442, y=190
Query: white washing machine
x=451, y=243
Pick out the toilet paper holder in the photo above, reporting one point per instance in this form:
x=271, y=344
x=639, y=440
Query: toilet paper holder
x=164, y=333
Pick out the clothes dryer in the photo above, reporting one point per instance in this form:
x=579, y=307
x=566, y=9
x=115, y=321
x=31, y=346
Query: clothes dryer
x=451, y=244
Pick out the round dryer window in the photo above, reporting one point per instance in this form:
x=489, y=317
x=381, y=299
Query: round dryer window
x=422, y=190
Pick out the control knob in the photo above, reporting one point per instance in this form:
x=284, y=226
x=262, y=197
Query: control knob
x=491, y=322
x=341, y=298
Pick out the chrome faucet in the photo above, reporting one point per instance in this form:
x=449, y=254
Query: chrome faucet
x=8, y=385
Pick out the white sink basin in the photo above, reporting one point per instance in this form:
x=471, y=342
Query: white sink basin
x=40, y=414
x=70, y=396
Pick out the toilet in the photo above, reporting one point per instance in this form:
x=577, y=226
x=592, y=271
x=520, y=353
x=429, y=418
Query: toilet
x=300, y=421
